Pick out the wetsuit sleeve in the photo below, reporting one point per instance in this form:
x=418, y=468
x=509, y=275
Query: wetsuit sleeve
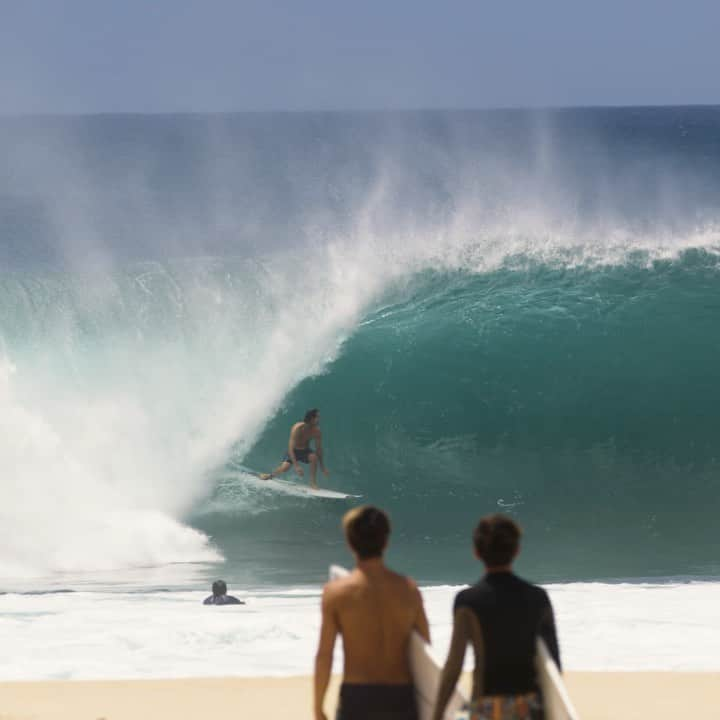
x=208, y=600
x=453, y=664
x=548, y=633
x=232, y=600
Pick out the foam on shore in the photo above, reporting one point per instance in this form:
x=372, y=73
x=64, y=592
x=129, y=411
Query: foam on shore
x=103, y=635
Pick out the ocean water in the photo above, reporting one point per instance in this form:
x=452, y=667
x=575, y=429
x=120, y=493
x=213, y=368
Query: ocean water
x=511, y=311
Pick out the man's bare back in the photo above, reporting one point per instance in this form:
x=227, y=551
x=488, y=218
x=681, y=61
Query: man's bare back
x=375, y=609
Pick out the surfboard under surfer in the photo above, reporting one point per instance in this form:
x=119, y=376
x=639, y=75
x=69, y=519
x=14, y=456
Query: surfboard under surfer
x=300, y=451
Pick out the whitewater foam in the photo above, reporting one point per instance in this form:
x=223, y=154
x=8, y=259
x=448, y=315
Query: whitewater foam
x=91, y=635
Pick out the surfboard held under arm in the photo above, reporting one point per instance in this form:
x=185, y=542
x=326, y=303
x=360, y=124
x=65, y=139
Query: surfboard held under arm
x=556, y=699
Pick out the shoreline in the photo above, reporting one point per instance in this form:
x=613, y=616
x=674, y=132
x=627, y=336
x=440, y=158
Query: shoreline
x=662, y=695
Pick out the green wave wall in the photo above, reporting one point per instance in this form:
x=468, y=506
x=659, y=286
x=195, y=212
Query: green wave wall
x=584, y=401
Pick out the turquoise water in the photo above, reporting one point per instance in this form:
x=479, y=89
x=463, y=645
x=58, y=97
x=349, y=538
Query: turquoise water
x=583, y=402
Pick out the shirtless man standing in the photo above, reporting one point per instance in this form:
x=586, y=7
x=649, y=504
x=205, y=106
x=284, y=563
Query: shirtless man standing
x=375, y=610
x=299, y=449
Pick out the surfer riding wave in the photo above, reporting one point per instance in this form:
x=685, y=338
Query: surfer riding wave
x=300, y=451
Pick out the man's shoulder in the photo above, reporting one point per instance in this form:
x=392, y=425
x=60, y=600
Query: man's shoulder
x=402, y=580
x=222, y=600
x=338, y=586
x=468, y=594
x=534, y=595
x=339, y=591
x=534, y=590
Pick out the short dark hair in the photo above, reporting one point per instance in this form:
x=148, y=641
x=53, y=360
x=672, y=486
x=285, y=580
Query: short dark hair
x=497, y=539
x=310, y=415
x=367, y=529
x=219, y=588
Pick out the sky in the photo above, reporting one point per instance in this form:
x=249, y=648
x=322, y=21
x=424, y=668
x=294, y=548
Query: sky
x=79, y=56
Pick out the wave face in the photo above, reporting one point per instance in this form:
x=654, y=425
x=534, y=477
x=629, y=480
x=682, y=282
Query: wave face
x=509, y=311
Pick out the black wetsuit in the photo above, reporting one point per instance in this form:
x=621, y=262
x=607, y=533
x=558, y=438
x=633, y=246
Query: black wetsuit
x=376, y=702
x=512, y=614
x=222, y=600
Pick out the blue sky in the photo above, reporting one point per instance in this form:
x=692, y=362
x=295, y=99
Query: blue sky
x=217, y=55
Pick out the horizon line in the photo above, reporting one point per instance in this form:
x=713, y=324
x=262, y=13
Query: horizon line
x=355, y=111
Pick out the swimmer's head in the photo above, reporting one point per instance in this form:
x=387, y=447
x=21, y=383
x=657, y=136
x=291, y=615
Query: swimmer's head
x=219, y=588
x=312, y=417
x=367, y=529
x=497, y=540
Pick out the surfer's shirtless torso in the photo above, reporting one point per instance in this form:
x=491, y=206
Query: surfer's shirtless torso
x=301, y=434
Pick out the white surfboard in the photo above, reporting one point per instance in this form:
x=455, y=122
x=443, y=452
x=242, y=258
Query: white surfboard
x=425, y=670
x=288, y=487
x=556, y=699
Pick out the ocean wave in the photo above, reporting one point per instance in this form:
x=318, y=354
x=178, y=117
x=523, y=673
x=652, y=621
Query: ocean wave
x=499, y=311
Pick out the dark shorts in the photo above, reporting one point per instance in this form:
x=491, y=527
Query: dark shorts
x=376, y=702
x=301, y=455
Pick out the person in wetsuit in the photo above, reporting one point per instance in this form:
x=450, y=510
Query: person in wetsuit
x=299, y=450
x=220, y=597
x=375, y=610
x=501, y=616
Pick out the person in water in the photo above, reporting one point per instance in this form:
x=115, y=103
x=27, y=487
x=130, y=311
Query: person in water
x=220, y=597
x=375, y=610
x=501, y=616
x=299, y=450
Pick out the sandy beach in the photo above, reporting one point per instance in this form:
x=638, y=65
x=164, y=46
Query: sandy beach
x=597, y=696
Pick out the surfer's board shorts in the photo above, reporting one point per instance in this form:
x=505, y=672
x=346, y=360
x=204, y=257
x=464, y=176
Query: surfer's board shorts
x=503, y=707
x=376, y=702
x=301, y=455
